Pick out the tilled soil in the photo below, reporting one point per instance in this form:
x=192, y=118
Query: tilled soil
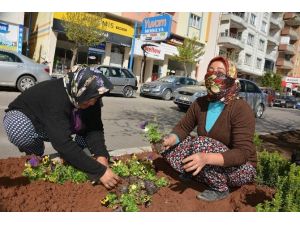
x=17, y=193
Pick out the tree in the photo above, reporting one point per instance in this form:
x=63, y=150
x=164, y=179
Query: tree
x=272, y=80
x=189, y=53
x=83, y=30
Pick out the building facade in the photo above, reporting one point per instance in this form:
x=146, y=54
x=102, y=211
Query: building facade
x=251, y=40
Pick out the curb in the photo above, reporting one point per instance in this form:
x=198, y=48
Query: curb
x=126, y=151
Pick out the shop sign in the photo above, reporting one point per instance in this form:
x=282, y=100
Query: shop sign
x=11, y=37
x=156, y=28
x=105, y=24
x=3, y=28
x=169, y=49
x=294, y=80
x=153, y=52
x=98, y=49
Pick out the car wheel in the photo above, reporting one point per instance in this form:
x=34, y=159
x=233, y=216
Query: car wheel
x=25, y=82
x=128, y=92
x=167, y=95
x=259, y=111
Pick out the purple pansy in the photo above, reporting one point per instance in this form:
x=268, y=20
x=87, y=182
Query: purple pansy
x=34, y=161
x=143, y=124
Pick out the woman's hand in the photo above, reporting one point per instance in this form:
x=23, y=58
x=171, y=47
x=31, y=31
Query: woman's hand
x=103, y=160
x=195, y=163
x=109, y=179
x=169, y=141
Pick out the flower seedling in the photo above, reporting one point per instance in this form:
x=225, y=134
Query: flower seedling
x=37, y=168
x=153, y=134
x=139, y=184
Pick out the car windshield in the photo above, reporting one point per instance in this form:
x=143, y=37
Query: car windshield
x=167, y=79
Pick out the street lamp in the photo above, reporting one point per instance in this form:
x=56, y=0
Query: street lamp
x=144, y=58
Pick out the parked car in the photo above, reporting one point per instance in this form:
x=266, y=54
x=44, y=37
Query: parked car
x=298, y=105
x=164, y=87
x=124, y=80
x=184, y=97
x=286, y=101
x=17, y=70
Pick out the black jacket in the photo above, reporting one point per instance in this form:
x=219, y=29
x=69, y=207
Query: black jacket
x=49, y=108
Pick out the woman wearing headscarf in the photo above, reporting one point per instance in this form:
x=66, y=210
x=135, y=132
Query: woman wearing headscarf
x=223, y=154
x=67, y=113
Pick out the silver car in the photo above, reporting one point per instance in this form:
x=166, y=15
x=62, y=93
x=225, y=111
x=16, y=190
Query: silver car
x=164, y=87
x=250, y=92
x=17, y=70
x=124, y=80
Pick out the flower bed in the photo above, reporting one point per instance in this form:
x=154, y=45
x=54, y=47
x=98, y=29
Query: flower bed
x=17, y=193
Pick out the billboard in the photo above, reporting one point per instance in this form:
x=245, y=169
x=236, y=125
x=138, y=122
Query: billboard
x=11, y=37
x=156, y=28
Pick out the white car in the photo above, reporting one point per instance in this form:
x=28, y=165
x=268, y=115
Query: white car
x=17, y=70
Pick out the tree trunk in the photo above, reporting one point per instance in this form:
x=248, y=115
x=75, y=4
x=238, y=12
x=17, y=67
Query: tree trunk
x=185, y=70
x=74, y=56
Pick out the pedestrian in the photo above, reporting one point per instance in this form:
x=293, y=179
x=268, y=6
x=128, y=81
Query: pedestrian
x=223, y=154
x=67, y=113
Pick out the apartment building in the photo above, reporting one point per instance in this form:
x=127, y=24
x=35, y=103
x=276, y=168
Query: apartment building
x=251, y=40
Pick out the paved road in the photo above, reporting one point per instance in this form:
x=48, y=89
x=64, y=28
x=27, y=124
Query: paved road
x=121, y=117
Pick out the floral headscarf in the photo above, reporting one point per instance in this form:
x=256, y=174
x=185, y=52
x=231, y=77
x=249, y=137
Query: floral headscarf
x=83, y=84
x=222, y=87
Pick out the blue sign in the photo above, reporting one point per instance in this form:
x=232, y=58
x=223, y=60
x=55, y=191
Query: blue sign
x=20, y=38
x=157, y=24
x=3, y=28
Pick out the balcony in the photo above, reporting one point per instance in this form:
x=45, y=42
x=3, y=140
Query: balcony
x=289, y=31
x=271, y=55
x=287, y=49
x=282, y=63
x=273, y=40
x=236, y=20
x=231, y=41
x=276, y=23
x=292, y=18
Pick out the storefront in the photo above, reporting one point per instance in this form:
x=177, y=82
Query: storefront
x=157, y=60
x=11, y=37
x=291, y=84
x=113, y=51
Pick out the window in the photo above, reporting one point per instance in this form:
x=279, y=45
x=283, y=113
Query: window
x=181, y=80
x=251, y=88
x=252, y=19
x=195, y=21
x=248, y=59
x=9, y=57
x=191, y=81
x=263, y=26
x=261, y=45
x=258, y=63
x=242, y=86
x=104, y=71
x=115, y=72
x=250, y=39
x=126, y=73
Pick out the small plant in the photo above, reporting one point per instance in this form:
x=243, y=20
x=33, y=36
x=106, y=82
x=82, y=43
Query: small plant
x=152, y=131
x=37, y=168
x=139, y=184
x=270, y=167
x=257, y=141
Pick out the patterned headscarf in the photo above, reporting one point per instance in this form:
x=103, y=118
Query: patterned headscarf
x=83, y=84
x=222, y=87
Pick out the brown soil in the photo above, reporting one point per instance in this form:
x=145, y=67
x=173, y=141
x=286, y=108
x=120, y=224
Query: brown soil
x=18, y=194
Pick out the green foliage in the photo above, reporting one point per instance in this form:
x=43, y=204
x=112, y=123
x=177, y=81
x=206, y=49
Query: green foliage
x=189, y=52
x=287, y=197
x=83, y=29
x=48, y=170
x=257, y=141
x=142, y=183
x=153, y=133
x=270, y=167
x=272, y=80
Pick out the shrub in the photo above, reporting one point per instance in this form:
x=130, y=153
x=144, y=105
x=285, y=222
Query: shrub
x=257, y=141
x=270, y=167
x=153, y=134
